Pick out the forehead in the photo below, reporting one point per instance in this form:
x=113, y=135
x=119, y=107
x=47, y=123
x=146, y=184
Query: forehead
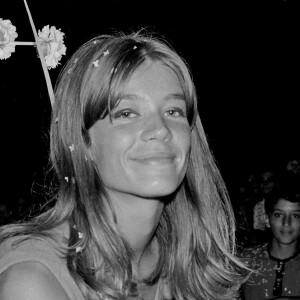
x=286, y=205
x=154, y=77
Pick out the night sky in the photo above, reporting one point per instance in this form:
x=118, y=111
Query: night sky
x=244, y=56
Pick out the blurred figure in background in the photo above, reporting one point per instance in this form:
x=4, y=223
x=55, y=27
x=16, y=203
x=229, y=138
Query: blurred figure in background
x=291, y=173
x=247, y=198
x=250, y=207
x=267, y=185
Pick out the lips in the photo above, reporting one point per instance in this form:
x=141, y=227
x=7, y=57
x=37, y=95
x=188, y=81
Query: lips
x=286, y=232
x=155, y=158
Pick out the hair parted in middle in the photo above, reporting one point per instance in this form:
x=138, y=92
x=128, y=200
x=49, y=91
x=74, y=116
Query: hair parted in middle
x=196, y=231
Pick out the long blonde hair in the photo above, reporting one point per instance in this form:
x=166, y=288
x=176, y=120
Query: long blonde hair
x=196, y=231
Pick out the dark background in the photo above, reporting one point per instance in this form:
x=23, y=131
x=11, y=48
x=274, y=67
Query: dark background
x=244, y=56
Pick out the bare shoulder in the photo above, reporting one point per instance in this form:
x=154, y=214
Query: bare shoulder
x=30, y=280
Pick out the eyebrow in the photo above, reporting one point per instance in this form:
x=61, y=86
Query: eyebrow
x=293, y=210
x=176, y=96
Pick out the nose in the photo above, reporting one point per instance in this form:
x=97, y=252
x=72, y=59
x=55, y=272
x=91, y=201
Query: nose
x=287, y=220
x=155, y=127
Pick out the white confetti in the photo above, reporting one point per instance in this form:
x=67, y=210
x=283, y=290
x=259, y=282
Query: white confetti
x=96, y=63
x=78, y=249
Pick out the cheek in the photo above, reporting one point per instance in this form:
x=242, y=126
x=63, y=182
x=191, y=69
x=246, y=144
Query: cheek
x=183, y=138
x=113, y=147
x=296, y=223
x=275, y=224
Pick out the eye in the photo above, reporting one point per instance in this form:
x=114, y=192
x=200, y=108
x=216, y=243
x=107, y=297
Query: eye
x=124, y=114
x=297, y=216
x=175, y=112
x=277, y=215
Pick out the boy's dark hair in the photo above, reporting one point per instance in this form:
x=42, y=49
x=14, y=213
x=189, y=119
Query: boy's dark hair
x=287, y=191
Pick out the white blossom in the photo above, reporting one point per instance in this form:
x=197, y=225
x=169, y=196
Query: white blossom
x=52, y=44
x=7, y=36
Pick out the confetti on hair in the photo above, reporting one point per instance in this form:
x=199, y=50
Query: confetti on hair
x=71, y=147
x=75, y=60
x=105, y=52
x=70, y=71
x=56, y=120
x=134, y=47
x=73, y=180
x=80, y=235
x=113, y=70
x=66, y=179
x=78, y=249
x=95, y=42
x=96, y=63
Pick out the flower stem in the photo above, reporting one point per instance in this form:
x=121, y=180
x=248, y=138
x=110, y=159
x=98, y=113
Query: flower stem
x=42, y=58
x=25, y=43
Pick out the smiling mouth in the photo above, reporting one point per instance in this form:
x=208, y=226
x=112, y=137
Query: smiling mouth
x=156, y=159
x=286, y=232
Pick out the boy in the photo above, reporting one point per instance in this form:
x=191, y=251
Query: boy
x=277, y=262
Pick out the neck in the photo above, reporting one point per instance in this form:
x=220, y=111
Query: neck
x=282, y=251
x=137, y=219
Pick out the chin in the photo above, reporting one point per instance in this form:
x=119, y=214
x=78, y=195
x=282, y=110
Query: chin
x=158, y=190
x=287, y=241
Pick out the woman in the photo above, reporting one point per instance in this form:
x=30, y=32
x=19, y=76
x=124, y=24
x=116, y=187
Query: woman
x=141, y=210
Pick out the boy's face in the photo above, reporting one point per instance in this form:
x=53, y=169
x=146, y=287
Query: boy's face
x=284, y=222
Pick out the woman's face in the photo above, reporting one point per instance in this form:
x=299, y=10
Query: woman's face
x=143, y=150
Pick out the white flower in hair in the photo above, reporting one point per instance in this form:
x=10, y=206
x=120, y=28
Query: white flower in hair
x=52, y=44
x=7, y=36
